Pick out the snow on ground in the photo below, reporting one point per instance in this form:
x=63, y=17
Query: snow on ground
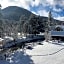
x=1, y=39
x=47, y=53
x=9, y=38
x=18, y=57
x=4, y=62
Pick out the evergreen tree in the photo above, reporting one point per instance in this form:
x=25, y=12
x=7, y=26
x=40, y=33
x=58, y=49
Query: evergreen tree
x=34, y=23
x=22, y=20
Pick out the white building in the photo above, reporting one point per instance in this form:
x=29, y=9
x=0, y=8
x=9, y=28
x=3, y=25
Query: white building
x=58, y=33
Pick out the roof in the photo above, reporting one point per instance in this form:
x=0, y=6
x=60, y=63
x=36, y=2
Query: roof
x=61, y=26
x=57, y=33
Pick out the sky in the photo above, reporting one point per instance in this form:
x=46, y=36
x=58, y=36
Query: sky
x=39, y=7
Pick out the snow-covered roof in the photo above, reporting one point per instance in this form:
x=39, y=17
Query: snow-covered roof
x=57, y=33
x=61, y=26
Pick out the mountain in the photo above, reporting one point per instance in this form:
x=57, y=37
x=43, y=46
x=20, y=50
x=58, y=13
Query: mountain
x=14, y=13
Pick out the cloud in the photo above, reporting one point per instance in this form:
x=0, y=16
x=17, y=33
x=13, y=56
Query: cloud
x=60, y=18
x=57, y=9
x=27, y=4
x=13, y=0
x=55, y=2
x=21, y=3
x=50, y=2
x=54, y=14
x=43, y=13
x=36, y=3
x=60, y=2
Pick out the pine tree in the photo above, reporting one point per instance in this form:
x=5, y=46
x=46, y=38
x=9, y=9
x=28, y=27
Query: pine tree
x=1, y=23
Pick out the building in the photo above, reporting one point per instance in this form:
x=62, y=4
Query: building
x=54, y=31
x=58, y=32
